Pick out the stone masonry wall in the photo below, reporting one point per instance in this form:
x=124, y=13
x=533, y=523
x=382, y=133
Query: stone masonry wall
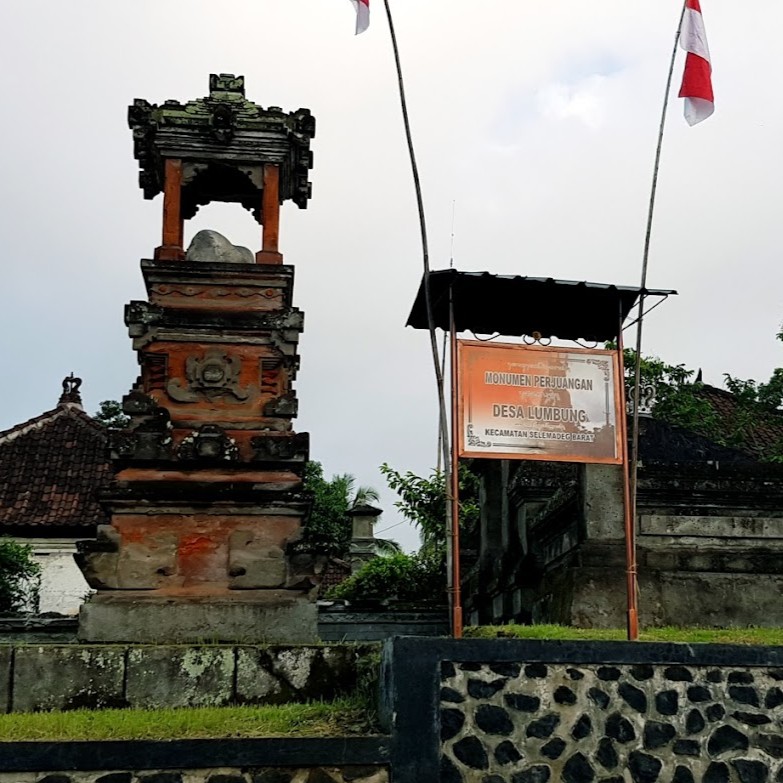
x=638, y=723
x=262, y=775
x=35, y=678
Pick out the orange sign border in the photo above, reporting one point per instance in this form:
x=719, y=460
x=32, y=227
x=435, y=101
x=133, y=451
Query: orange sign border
x=464, y=346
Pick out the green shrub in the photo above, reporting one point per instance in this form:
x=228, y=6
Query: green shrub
x=412, y=578
x=19, y=577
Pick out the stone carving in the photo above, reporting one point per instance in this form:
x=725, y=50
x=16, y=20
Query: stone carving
x=253, y=563
x=210, y=442
x=214, y=375
x=268, y=448
x=210, y=247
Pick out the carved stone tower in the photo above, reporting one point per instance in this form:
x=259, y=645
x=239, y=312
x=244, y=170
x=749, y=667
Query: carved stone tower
x=206, y=505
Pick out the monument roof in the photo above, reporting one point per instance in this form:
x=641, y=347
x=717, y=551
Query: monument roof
x=224, y=137
x=514, y=305
x=50, y=470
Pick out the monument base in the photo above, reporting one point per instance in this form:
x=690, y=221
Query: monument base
x=249, y=617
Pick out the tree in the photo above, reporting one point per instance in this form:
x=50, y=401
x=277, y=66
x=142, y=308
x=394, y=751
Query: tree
x=328, y=529
x=423, y=502
x=110, y=414
x=19, y=578
x=680, y=401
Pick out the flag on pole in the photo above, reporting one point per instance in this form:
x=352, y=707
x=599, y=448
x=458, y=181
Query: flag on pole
x=362, y=15
x=697, y=77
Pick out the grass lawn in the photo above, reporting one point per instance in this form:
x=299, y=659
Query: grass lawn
x=762, y=636
x=344, y=717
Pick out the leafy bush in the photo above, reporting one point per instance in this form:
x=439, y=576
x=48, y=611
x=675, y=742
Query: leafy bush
x=413, y=578
x=19, y=577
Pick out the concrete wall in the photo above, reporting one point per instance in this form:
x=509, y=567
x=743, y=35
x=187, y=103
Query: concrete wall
x=51, y=677
x=63, y=588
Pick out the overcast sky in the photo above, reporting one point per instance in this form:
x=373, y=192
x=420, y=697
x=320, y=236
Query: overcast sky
x=539, y=123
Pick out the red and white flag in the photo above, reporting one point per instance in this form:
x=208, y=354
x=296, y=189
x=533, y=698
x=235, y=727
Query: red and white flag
x=362, y=15
x=697, y=77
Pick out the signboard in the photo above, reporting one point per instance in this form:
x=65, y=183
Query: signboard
x=531, y=402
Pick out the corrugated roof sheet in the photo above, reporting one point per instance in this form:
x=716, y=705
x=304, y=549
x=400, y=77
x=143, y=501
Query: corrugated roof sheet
x=513, y=305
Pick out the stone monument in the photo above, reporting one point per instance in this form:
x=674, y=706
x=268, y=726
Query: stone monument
x=206, y=504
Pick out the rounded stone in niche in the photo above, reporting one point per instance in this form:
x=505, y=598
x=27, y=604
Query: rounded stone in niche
x=598, y=697
x=608, y=673
x=715, y=712
x=717, y=772
x=656, y=735
x=543, y=727
x=667, y=702
x=644, y=768
x=575, y=674
x=619, y=728
x=642, y=671
x=606, y=755
x=742, y=678
x=578, y=770
x=535, y=670
x=471, y=752
x=695, y=722
x=724, y=739
x=564, y=695
x=506, y=669
x=539, y=773
x=750, y=771
x=678, y=674
x=451, y=723
x=480, y=689
x=774, y=698
x=698, y=693
x=522, y=702
x=554, y=748
x=448, y=772
x=633, y=696
x=506, y=753
x=451, y=695
x=682, y=775
x=744, y=694
x=582, y=728
x=494, y=720
x=686, y=748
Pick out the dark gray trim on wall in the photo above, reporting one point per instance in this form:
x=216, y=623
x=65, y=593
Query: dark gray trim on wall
x=193, y=754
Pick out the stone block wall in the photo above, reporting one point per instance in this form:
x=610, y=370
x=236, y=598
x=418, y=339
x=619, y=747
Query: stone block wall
x=519, y=711
x=577, y=724
x=35, y=678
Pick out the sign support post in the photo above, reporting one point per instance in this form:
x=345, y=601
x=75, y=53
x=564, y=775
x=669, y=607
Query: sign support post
x=456, y=579
x=631, y=578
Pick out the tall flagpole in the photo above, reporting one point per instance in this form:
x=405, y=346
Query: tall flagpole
x=643, y=282
x=443, y=427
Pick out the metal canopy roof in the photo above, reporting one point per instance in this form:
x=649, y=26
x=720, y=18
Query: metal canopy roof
x=512, y=305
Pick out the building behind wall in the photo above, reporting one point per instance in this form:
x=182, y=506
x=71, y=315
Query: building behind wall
x=51, y=468
x=551, y=544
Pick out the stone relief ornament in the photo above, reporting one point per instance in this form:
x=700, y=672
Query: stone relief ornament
x=209, y=443
x=214, y=375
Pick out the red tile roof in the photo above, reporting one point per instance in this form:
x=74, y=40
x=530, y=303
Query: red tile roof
x=761, y=437
x=50, y=469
